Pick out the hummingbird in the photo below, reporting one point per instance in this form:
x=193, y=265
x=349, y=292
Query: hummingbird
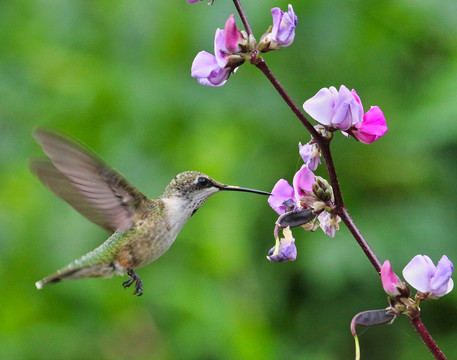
x=142, y=229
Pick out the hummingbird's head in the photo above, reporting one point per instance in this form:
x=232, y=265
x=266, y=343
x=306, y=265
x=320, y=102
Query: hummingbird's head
x=194, y=188
x=192, y=185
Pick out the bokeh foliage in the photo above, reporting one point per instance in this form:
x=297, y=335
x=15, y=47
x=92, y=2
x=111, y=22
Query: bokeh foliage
x=116, y=75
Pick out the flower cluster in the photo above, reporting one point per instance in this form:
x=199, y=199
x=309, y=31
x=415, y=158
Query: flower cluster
x=429, y=280
x=342, y=110
x=233, y=47
x=308, y=202
x=308, y=192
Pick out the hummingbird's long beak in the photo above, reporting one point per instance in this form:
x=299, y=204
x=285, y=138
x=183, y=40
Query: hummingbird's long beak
x=237, y=188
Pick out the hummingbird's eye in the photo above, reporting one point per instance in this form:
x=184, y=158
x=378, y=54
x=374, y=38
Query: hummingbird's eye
x=203, y=182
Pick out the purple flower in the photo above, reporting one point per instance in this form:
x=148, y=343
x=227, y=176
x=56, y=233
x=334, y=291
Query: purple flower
x=286, y=198
x=214, y=70
x=372, y=127
x=282, y=33
x=311, y=155
x=285, y=249
x=193, y=1
x=282, y=197
x=391, y=283
x=329, y=223
x=430, y=280
x=337, y=109
x=207, y=70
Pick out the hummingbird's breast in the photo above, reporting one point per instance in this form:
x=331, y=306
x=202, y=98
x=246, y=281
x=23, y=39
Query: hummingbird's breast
x=152, y=234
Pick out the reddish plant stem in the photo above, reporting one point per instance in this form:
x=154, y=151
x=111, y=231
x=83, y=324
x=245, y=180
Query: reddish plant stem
x=260, y=63
x=341, y=208
x=427, y=339
x=324, y=143
x=346, y=218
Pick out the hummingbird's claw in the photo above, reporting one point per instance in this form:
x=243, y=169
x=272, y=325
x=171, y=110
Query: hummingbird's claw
x=134, y=278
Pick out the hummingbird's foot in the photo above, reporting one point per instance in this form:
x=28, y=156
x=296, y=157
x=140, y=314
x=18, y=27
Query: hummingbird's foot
x=134, y=278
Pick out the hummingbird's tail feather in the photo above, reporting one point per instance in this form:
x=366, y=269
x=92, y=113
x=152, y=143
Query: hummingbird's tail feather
x=70, y=273
x=97, y=263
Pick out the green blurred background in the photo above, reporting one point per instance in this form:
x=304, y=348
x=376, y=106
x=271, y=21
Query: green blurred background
x=116, y=76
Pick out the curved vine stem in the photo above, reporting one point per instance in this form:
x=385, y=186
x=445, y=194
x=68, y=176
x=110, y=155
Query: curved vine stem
x=324, y=144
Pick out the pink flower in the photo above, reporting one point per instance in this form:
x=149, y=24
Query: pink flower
x=233, y=36
x=214, y=70
x=372, y=127
x=286, y=198
x=391, y=283
x=343, y=110
x=303, y=182
x=282, y=197
x=338, y=109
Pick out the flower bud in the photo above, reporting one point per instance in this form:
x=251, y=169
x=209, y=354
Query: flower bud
x=323, y=190
x=329, y=223
x=311, y=155
x=391, y=283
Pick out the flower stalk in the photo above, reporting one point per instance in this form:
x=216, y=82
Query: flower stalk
x=343, y=112
x=427, y=339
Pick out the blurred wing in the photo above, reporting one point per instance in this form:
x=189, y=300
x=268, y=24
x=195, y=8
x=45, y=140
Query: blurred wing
x=60, y=185
x=85, y=182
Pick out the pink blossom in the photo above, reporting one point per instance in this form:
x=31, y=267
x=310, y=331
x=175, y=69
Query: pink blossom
x=338, y=109
x=372, y=127
x=233, y=36
x=286, y=198
x=214, y=70
x=282, y=197
x=303, y=182
x=391, y=283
